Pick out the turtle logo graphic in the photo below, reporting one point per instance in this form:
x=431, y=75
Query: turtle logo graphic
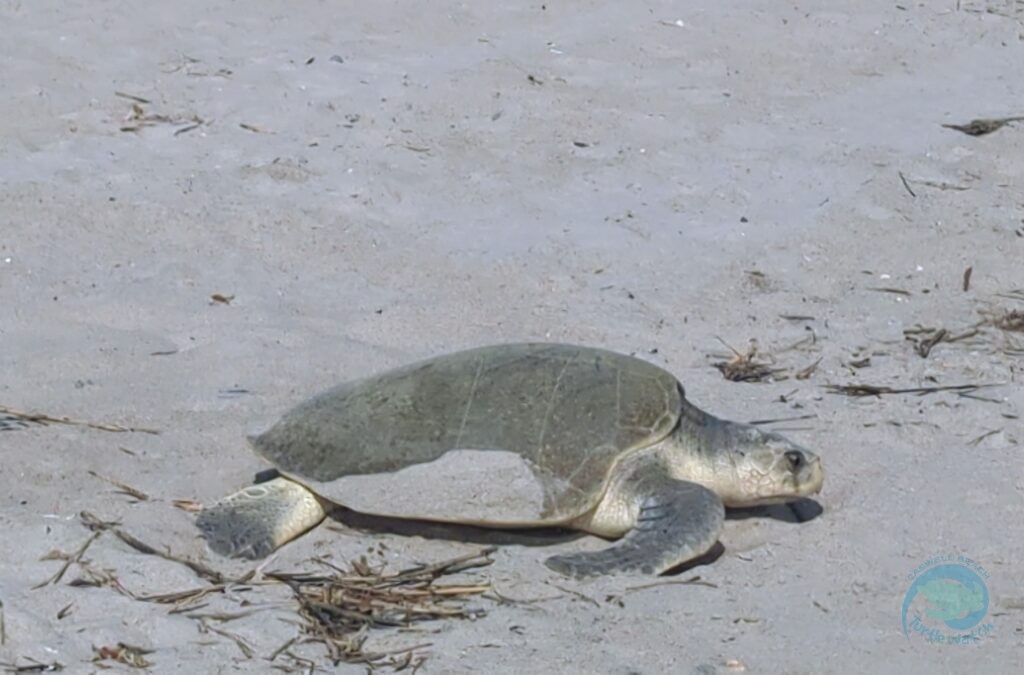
x=951, y=591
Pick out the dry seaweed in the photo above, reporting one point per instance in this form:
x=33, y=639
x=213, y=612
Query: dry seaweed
x=749, y=366
x=43, y=419
x=339, y=608
x=129, y=655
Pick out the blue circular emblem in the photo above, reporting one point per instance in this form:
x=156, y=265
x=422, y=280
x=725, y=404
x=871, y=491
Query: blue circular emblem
x=952, y=594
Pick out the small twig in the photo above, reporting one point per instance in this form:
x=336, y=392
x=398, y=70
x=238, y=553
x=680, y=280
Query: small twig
x=977, y=441
x=255, y=129
x=447, y=566
x=189, y=596
x=34, y=667
x=941, y=185
x=805, y=373
x=376, y=656
x=782, y=419
x=40, y=418
x=122, y=488
x=579, y=595
x=277, y=652
x=243, y=646
x=189, y=505
x=224, y=617
x=692, y=581
x=924, y=347
x=933, y=336
x=188, y=128
x=504, y=599
x=132, y=97
x=872, y=390
x=69, y=561
x=809, y=340
x=906, y=184
x=97, y=525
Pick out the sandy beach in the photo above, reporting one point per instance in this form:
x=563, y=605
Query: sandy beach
x=210, y=211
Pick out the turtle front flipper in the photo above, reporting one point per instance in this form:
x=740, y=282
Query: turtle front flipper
x=251, y=523
x=676, y=521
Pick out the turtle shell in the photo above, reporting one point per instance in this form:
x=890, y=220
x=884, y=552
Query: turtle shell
x=514, y=434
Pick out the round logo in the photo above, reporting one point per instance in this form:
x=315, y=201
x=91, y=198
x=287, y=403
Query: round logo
x=946, y=602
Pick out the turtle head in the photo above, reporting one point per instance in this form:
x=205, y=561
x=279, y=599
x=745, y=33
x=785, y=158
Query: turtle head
x=758, y=467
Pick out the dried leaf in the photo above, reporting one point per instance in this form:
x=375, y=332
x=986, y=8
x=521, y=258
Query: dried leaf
x=982, y=126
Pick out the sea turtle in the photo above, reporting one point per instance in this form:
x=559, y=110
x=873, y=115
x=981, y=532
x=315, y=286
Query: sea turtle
x=516, y=436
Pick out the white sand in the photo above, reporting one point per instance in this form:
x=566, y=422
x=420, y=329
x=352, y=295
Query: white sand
x=422, y=193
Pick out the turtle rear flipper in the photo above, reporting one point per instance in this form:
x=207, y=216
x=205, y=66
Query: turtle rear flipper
x=677, y=521
x=251, y=523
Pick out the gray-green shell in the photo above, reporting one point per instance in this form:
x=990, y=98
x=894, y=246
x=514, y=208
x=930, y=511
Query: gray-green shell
x=515, y=433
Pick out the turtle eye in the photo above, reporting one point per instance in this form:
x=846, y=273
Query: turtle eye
x=795, y=459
